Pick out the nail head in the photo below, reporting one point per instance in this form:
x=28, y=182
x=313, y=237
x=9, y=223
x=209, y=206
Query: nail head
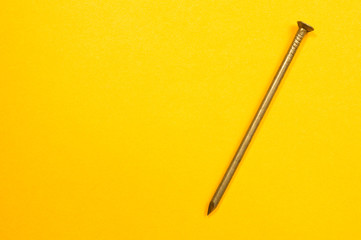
x=305, y=26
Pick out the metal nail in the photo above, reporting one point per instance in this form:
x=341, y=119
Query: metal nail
x=302, y=31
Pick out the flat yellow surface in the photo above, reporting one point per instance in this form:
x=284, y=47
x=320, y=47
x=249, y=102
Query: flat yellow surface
x=118, y=119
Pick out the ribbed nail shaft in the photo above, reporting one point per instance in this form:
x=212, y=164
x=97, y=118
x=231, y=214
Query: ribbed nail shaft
x=302, y=31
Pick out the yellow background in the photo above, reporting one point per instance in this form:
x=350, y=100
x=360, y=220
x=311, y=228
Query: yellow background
x=119, y=118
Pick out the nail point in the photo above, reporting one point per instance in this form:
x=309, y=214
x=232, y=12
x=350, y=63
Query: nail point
x=211, y=207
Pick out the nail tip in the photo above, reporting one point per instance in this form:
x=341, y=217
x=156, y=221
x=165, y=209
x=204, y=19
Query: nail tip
x=211, y=207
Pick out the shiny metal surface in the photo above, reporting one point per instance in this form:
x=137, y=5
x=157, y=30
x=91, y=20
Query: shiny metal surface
x=302, y=31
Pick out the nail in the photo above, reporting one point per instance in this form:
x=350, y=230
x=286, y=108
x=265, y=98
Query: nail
x=301, y=33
